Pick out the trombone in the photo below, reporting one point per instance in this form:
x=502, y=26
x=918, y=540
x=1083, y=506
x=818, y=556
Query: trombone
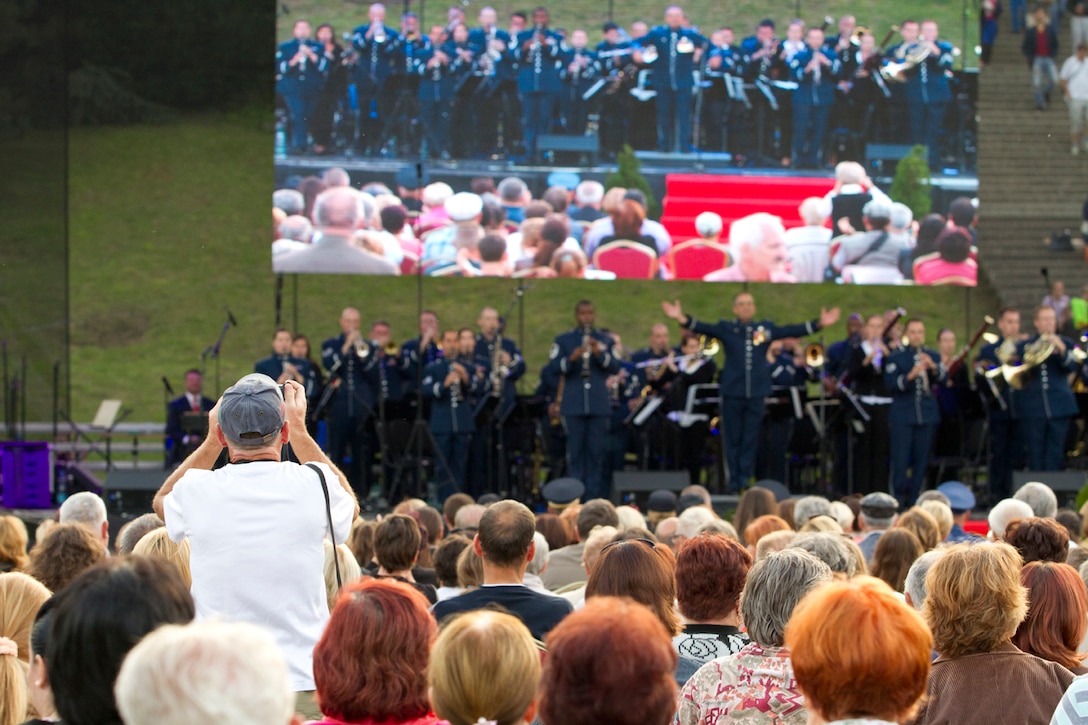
x=708, y=349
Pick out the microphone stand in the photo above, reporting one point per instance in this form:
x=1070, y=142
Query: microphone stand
x=213, y=351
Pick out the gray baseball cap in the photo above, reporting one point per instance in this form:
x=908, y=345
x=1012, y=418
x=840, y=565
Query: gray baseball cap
x=251, y=412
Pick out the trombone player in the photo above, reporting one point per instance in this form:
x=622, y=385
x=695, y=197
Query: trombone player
x=909, y=375
x=1045, y=402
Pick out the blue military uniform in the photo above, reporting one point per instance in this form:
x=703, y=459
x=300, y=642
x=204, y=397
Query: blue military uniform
x=1006, y=446
x=486, y=461
x=585, y=407
x=744, y=383
x=912, y=420
x=411, y=361
x=928, y=94
x=451, y=420
x=300, y=85
x=436, y=91
x=487, y=107
x=539, y=66
x=812, y=103
x=373, y=67
x=350, y=408
x=719, y=90
x=403, y=86
x=787, y=383
x=673, y=80
x=574, y=109
x=615, y=58
x=1045, y=404
x=274, y=366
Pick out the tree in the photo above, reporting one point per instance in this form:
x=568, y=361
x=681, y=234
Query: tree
x=911, y=183
x=629, y=176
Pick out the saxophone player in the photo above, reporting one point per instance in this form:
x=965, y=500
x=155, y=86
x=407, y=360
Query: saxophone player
x=1046, y=403
x=909, y=375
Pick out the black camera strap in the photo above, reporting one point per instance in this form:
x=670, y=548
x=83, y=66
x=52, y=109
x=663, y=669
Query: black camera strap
x=328, y=515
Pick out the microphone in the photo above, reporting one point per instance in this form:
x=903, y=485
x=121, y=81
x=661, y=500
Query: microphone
x=230, y=317
x=166, y=384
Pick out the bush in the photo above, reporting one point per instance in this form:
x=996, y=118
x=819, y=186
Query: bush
x=629, y=176
x=911, y=183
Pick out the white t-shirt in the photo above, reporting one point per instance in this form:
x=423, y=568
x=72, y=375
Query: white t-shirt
x=256, y=531
x=1075, y=73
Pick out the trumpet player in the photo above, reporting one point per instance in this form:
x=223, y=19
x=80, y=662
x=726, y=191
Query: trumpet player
x=1006, y=446
x=581, y=73
x=450, y=383
x=375, y=46
x=349, y=360
x=865, y=371
x=746, y=377
x=583, y=358
x=928, y=92
x=282, y=366
x=1046, y=403
x=300, y=65
x=910, y=375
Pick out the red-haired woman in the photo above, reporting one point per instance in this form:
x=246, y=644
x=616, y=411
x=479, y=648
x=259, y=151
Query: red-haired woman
x=1057, y=614
x=859, y=653
x=371, y=663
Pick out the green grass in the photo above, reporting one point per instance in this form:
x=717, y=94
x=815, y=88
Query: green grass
x=170, y=226
x=742, y=15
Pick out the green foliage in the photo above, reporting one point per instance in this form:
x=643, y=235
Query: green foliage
x=628, y=175
x=1082, y=497
x=911, y=183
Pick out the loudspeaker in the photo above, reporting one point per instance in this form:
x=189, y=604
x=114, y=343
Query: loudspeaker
x=639, y=484
x=131, y=491
x=1065, y=484
x=882, y=158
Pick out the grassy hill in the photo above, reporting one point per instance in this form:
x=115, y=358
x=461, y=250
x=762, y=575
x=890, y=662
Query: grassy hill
x=170, y=227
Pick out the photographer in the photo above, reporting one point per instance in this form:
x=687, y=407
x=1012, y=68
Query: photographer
x=257, y=525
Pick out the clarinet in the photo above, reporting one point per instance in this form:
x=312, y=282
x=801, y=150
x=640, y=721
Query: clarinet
x=586, y=332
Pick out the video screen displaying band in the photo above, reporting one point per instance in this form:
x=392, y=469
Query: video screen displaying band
x=478, y=141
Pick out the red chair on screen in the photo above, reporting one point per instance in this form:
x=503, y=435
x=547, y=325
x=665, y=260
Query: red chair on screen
x=410, y=263
x=626, y=259
x=696, y=258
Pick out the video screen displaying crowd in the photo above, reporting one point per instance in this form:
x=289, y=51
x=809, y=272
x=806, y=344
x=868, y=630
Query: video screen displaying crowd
x=796, y=97
x=854, y=234
x=800, y=611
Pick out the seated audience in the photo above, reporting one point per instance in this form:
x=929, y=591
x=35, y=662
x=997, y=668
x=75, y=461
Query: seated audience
x=754, y=503
x=830, y=548
x=37, y=675
x=627, y=221
x=895, y=551
x=758, y=250
x=66, y=552
x=757, y=684
x=89, y=511
x=974, y=604
x=1057, y=615
x=445, y=564
x=762, y=526
x=13, y=542
x=952, y=263
x=370, y=665
x=859, y=654
x=1038, y=539
x=396, y=547
x=205, y=672
x=1041, y=498
x=575, y=689
x=158, y=544
x=921, y=523
x=485, y=666
x=1005, y=512
x=350, y=571
x=808, y=246
x=134, y=530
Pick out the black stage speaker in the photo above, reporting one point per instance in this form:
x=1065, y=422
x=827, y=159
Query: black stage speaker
x=585, y=148
x=881, y=159
x=1065, y=484
x=131, y=491
x=636, y=486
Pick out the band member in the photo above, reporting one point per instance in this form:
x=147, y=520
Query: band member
x=403, y=85
x=349, y=358
x=315, y=379
x=896, y=54
x=651, y=381
x=300, y=64
x=720, y=69
x=334, y=92
x=690, y=429
x=541, y=53
x=282, y=365
x=786, y=359
x=463, y=62
x=616, y=61
x=1006, y=446
x=928, y=92
x=501, y=358
x=746, y=378
x=816, y=70
x=675, y=56
x=494, y=64
x=580, y=73
x=181, y=436
x=420, y=351
x=958, y=402
x=1045, y=403
x=910, y=375
x=436, y=94
x=584, y=359
x=763, y=68
x=658, y=349
x=865, y=372
x=492, y=347
x=865, y=92
x=375, y=47
x=449, y=383
x=844, y=45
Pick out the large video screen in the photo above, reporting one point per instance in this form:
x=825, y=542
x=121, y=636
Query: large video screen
x=634, y=143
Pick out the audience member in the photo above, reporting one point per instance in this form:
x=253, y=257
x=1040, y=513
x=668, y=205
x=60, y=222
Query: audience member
x=754, y=503
x=97, y=619
x=361, y=541
x=565, y=564
x=1057, y=615
x=1038, y=539
x=844, y=515
x=66, y=552
x=89, y=511
x=370, y=665
x=921, y=523
x=600, y=537
x=554, y=529
x=637, y=687
x=205, y=672
x=538, y=564
x=157, y=544
x=1005, y=512
x=20, y=598
x=762, y=526
x=830, y=548
x=942, y=514
x=859, y=654
x=134, y=530
x=809, y=507
x=13, y=543
x=878, y=514
x=974, y=604
x=1070, y=521
x=470, y=570
x=485, y=666
x=807, y=245
x=822, y=523
x=914, y=587
x=758, y=250
x=445, y=565
x=37, y=676
x=895, y=552
x=757, y=684
x=772, y=542
x=397, y=541
x=350, y=571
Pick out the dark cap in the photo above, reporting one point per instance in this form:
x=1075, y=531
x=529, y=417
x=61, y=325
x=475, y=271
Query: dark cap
x=688, y=500
x=251, y=412
x=563, y=492
x=960, y=498
x=879, y=505
x=406, y=176
x=661, y=501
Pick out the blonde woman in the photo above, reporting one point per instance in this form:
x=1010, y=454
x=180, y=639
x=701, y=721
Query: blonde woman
x=157, y=544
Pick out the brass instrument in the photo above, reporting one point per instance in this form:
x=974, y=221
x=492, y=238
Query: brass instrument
x=1035, y=354
x=859, y=31
x=914, y=55
x=391, y=349
x=498, y=370
x=553, y=410
x=362, y=349
x=814, y=355
x=379, y=34
x=708, y=350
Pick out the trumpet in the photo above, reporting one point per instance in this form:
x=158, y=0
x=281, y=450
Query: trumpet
x=362, y=349
x=814, y=355
x=391, y=349
x=379, y=34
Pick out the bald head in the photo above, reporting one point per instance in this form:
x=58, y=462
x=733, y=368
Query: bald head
x=338, y=210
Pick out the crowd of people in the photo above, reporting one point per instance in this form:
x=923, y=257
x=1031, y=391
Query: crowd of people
x=252, y=596
x=486, y=91
x=576, y=229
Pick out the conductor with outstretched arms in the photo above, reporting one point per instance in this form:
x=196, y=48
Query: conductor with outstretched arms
x=746, y=378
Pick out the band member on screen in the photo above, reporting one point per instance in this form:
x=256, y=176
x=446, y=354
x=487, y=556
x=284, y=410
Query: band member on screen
x=375, y=46
x=301, y=66
x=676, y=54
x=746, y=377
